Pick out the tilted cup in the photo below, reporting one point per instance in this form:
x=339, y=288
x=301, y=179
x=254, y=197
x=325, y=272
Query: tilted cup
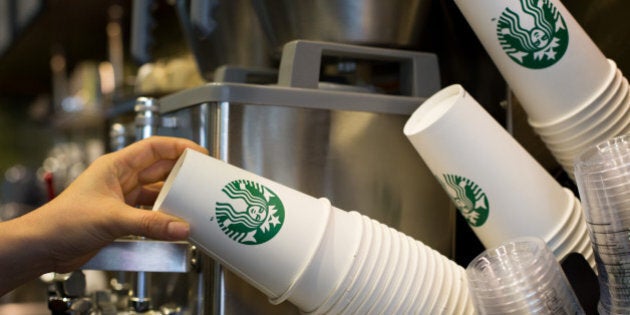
x=263, y=231
x=547, y=59
x=500, y=189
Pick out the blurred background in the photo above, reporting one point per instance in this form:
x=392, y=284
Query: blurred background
x=70, y=69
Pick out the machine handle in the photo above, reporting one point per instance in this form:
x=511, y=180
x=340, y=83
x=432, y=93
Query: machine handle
x=301, y=62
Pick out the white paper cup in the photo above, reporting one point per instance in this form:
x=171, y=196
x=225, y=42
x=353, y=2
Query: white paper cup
x=323, y=277
x=381, y=273
x=601, y=107
x=545, y=56
x=497, y=185
x=411, y=273
x=364, y=268
x=264, y=232
x=392, y=290
x=342, y=294
x=596, y=130
x=417, y=292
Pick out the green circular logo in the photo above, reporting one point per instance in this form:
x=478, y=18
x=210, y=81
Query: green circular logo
x=253, y=215
x=469, y=198
x=534, y=35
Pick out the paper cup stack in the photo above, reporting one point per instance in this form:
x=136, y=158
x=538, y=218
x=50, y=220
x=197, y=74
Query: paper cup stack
x=294, y=247
x=501, y=190
x=573, y=95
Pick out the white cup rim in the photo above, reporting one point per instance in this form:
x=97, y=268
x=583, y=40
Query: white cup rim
x=605, y=84
x=433, y=109
x=601, y=110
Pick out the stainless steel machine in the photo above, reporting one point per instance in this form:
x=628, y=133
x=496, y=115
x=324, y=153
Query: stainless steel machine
x=336, y=140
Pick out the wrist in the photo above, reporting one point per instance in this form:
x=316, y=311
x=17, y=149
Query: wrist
x=23, y=253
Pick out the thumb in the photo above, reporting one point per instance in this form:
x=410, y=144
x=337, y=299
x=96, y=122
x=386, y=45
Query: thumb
x=154, y=225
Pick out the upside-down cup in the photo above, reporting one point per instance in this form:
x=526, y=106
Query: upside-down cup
x=266, y=233
x=547, y=59
x=501, y=190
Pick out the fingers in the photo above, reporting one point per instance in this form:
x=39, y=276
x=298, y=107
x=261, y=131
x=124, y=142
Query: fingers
x=146, y=152
x=152, y=224
x=149, y=160
x=145, y=195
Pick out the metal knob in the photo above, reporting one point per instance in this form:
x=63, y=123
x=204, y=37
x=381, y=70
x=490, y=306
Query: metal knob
x=147, y=117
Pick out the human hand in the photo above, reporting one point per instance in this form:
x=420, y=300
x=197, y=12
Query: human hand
x=97, y=208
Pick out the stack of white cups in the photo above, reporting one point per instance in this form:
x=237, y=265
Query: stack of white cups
x=573, y=95
x=501, y=190
x=294, y=247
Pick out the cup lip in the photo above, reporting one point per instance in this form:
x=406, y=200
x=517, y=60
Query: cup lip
x=538, y=250
x=433, y=109
x=597, y=107
x=307, y=262
x=415, y=291
x=590, y=161
x=171, y=178
x=384, y=271
x=615, y=125
x=617, y=105
x=609, y=79
x=409, y=275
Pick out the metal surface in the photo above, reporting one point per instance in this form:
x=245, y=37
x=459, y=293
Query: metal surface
x=142, y=255
x=393, y=23
x=222, y=32
x=340, y=144
x=147, y=117
x=359, y=160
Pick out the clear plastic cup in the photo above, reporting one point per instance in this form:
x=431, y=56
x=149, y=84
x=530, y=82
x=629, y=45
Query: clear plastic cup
x=521, y=276
x=603, y=181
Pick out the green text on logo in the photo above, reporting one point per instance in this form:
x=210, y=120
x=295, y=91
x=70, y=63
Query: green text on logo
x=253, y=215
x=471, y=201
x=536, y=37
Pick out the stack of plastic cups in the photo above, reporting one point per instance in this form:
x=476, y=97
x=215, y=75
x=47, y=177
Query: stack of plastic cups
x=520, y=277
x=294, y=247
x=501, y=190
x=602, y=174
x=573, y=95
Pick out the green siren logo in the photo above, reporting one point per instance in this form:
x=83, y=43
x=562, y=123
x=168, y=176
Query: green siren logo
x=253, y=216
x=536, y=37
x=471, y=201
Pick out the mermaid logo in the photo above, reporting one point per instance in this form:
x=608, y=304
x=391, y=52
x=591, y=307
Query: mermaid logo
x=536, y=37
x=471, y=201
x=254, y=214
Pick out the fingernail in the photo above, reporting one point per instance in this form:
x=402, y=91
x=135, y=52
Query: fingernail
x=178, y=230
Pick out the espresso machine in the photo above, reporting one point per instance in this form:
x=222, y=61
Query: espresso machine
x=327, y=121
x=333, y=139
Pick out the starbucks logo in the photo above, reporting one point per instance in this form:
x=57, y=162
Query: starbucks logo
x=471, y=201
x=534, y=35
x=253, y=215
